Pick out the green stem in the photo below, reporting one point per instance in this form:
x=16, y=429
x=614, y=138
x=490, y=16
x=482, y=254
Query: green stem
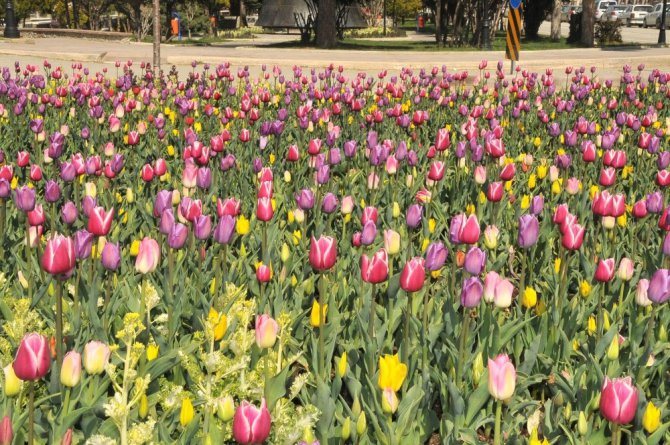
x=426, y=340
x=497, y=436
x=31, y=412
x=59, y=324
x=601, y=313
x=461, y=347
x=616, y=434
x=322, y=326
x=264, y=242
x=620, y=309
x=650, y=330
x=29, y=265
x=389, y=422
x=522, y=280
x=405, y=333
x=66, y=403
x=371, y=330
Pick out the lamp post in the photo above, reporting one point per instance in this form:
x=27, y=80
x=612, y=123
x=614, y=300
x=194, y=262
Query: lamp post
x=11, y=31
x=661, y=32
x=486, y=27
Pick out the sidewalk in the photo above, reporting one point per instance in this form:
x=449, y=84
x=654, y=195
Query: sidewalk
x=64, y=50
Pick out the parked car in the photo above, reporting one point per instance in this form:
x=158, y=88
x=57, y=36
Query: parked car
x=601, y=7
x=635, y=14
x=612, y=13
x=653, y=19
x=568, y=11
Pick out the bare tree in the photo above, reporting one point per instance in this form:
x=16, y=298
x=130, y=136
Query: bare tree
x=146, y=21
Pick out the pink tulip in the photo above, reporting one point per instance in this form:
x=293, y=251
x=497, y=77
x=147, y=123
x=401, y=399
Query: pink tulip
x=618, y=400
x=266, y=331
x=99, y=221
x=6, y=431
x=59, y=256
x=464, y=230
x=502, y=377
x=264, y=210
x=369, y=214
x=494, y=193
x=263, y=273
x=323, y=252
x=605, y=270
x=251, y=425
x=573, y=236
x=375, y=270
x=413, y=275
x=32, y=359
x=436, y=172
x=148, y=257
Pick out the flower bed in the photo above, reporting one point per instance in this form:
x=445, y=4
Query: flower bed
x=302, y=256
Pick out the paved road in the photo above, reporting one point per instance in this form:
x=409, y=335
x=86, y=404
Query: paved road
x=648, y=36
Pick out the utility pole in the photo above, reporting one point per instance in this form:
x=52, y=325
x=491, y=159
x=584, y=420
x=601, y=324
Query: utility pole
x=157, y=36
x=11, y=30
x=661, y=32
x=486, y=27
x=384, y=12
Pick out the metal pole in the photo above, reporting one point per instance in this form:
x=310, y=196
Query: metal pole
x=661, y=32
x=157, y=35
x=486, y=27
x=11, y=31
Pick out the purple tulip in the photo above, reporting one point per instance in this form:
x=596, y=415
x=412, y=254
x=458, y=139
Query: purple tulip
x=52, y=191
x=537, y=205
x=475, y=260
x=117, y=163
x=329, y=203
x=529, y=228
x=111, y=256
x=258, y=165
x=177, y=236
x=659, y=286
x=167, y=221
x=413, y=217
x=663, y=160
x=334, y=157
x=227, y=162
x=224, y=230
x=204, y=178
x=401, y=151
x=162, y=202
x=666, y=245
x=436, y=255
x=5, y=189
x=655, y=202
x=25, y=198
x=69, y=213
x=83, y=242
x=472, y=291
x=88, y=204
x=67, y=171
x=323, y=175
x=369, y=233
x=305, y=199
x=202, y=227
x=350, y=149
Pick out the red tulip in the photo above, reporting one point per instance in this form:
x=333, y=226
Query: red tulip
x=442, y=139
x=229, y=206
x=573, y=236
x=264, y=210
x=293, y=153
x=640, y=209
x=664, y=220
x=375, y=270
x=618, y=400
x=22, y=159
x=265, y=175
x=265, y=189
x=59, y=256
x=190, y=209
x=100, y=222
x=314, y=147
x=245, y=135
x=618, y=205
x=32, y=359
x=468, y=231
x=589, y=153
x=251, y=425
x=495, y=192
x=607, y=176
x=413, y=275
x=133, y=138
x=6, y=431
x=436, y=172
x=605, y=270
x=147, y=173
x=508, y=172
x=323, y=252
x=35, y=173
x=160, y=167
x=560, y=214
x=36, y=216
x=369, y=214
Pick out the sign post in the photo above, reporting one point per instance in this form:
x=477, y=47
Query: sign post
x=513, y=30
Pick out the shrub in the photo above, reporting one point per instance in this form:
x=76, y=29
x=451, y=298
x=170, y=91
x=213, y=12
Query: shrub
x=608, y=32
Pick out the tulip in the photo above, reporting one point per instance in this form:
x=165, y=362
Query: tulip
x=471, y=293
x=36, y=216
x=475, y=260
x=329, y=204
x=96, y=356
x=59, y=256
x=148, y=256
x=223, y=232
x=413, y=275
x=186, y=412
x=391, y=241
x=322, y=253
x=70, y=373
x=369, y=233
x=32, y=359
x=503, y=294
x=202, y=227
x=537, y=205
x=264, y=210
x=392, y=372
x=100, y=222
x=347, y=205
x=251, y=425
x=375, y=270
x=204, y=178
x=6, y=432
x=390, y=401
x=651, y=419
x=266, y=331
x=666, y=244
x=413, y=217
x=573, y=236
x=464, y=229
x=111, y=256
x=529, y=228
x=225, y=408
x=605, y=270
x=641, y=293
x=162, y=202
x=69, y=212
x=263, y=273
x=494, y=193
x=12, y=382
x=229, y=206
x=52, y=191
x=618, y=400
x=626, y=269
x=190, y=209
x=436, y=172
x=25, y=198
x=502, y=377
x=491, y=237
x=436, y=255
x=305, y=199
x=659, y=286
x=490, y=282
x=314, y=316
x=369, y=214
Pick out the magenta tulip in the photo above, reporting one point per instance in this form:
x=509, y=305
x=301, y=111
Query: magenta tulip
x=99, y=221
x=59, y=256
x=375, y=270
x=618, y=400
x=251, y=425
x=605, y=270
x=413, y=275
x=323, y=253
x=32, y=359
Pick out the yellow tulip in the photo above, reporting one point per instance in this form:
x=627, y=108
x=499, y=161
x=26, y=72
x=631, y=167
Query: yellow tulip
x=342, y=365
x=392, y=372
x=218, y=323
x=242, y=225
x=314, y=318
x=152, y=352
x=143, y=408
x=651, y=418
x=541, y=171
x=12, y=382
x=584, y=289
x=529, y=298
x=135, y=248
x=186, y=412
x=591, y=327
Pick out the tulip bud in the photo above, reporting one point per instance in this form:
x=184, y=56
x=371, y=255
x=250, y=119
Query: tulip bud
x=613, y=349
x=390, y=401
x=651, y=418
x=186, y=412
x=152, y=352
x=342, y=365
x=361, y=424
x=12, y=382
x=582, y=424
x=356, y=407
x=315, y=318
x=143, y=408
x=96, y=357
x=626, y=269
x=266, y=331
x=477, y=368
x=70, y=373
x=6, y=431
x=225, y=408
x=346, y=429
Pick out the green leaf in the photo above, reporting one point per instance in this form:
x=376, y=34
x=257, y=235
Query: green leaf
x=275, y=388
x=407, y=409
x=477, y=399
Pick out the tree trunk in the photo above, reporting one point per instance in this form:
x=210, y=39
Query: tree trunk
x=67, y=14
x=438, y=22
x=588, y=22
x=157, y=36
x=556, y=21
x=75, y=14
x=326, y=32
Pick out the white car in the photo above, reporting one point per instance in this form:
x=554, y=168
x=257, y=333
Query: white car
x=653, y=19
x=601, y=7
x=612, y=13
x=635, y=14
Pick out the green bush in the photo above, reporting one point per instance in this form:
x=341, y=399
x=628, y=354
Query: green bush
x=375, y=32
x=608, y=32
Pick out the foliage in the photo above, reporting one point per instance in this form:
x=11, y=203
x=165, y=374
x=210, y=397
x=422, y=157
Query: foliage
x=608, y=32
x=534, y=14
